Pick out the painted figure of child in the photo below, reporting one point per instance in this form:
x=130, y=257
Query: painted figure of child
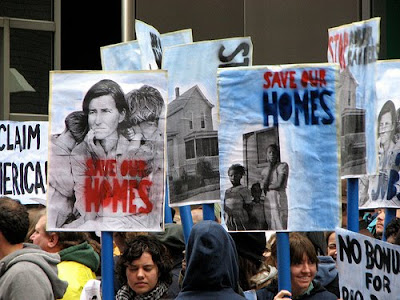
x=274, y=179
x=61, y=184
x=145, y=138
x=257, y=217
x=237, y=200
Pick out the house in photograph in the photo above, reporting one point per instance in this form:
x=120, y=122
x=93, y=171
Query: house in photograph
x=353, y=140
x=192, y=142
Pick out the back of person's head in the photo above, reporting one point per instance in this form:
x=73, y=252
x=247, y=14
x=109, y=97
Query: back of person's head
x=68, y=239
x=211, y=258
x=392, y=229
x=77, y=124
x=318, y=239
x=140, y=244
x=145, y=104
x=172, y=237
x=14, y=220
x=250, y=247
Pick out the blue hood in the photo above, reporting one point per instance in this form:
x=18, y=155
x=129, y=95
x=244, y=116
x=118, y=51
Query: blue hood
x=327, y=270
x=211, y=257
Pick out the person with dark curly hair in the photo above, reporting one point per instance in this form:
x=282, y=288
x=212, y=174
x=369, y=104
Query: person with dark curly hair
x=237, y=202
x=144, y=270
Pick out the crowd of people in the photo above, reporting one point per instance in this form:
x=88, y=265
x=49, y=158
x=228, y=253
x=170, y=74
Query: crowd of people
x=213, y=264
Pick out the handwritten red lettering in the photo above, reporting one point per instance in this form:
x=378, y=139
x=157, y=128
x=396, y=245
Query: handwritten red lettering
x=282, y=79
x=314, y=78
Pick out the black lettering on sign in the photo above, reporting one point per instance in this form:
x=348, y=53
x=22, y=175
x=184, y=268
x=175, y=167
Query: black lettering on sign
x=227, y=60
x=350, y=247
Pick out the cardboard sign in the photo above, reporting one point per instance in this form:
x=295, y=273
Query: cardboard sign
x=23, y=164
x=193, y=115
x=278, y=147
x=355, y=47
x=126, y=56
x=106, y=152
x=368, y=268
x=383, y=189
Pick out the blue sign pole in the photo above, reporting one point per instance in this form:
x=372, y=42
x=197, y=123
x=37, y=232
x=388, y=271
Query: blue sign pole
x=187, y=221
x=352, y=204
x=208, y=212
x=283, y=253
x=107, y=265
x=167, y=209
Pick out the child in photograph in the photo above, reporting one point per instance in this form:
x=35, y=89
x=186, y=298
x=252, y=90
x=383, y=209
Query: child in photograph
x=258, y=221
x=146, y=142
x=61, y=183
x=274, y=180
x=237, y=200
x=145, y=137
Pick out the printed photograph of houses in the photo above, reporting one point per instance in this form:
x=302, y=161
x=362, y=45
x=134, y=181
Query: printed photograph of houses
x=353, y=140
x=193, y=164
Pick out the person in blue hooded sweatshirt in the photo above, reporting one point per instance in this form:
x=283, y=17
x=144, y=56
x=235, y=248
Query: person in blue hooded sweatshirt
x=212, y=270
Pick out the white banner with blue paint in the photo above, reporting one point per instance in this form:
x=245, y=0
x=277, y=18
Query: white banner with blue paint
x=278, y=147
x=192, y=119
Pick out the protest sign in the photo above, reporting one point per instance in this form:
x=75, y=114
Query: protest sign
x=193, y=117
x=355, y=47
x=106, y=151
x=23, y=165
x=126, y=56
x=383, y=190
x=278, y=147
x=150, y=45
x=368, y=268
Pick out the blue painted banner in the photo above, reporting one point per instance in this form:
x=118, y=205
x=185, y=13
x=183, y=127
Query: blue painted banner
x=278, y=147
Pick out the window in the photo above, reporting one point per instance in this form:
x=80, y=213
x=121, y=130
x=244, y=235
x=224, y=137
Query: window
x=203, y=120
x=190, y=120
x=189, y=146
x=207, y=147
x=24, y=88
